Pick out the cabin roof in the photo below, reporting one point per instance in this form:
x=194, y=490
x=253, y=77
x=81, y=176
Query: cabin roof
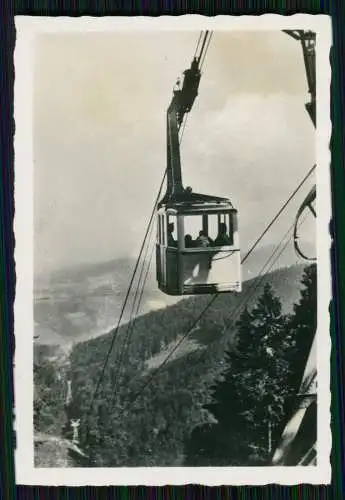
x=190, y=202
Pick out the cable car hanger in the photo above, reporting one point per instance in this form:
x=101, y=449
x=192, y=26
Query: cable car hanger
x=181, y=104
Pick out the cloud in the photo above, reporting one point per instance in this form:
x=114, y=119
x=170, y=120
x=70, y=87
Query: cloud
x=254, y=150
x=100, y=138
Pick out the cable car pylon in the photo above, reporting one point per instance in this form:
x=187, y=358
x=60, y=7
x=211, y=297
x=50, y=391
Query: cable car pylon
x=307, y=40
x=285, y=452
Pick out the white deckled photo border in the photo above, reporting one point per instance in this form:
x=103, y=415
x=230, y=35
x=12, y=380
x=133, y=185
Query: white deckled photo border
x=27, y=29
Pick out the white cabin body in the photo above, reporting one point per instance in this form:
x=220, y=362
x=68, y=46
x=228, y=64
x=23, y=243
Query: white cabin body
x=183, y=266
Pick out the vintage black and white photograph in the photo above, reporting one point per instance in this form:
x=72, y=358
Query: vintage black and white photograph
x=172, y=250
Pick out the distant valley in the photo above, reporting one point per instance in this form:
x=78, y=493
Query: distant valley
x=81, y=303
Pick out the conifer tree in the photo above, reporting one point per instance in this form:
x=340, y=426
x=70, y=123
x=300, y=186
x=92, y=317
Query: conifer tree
x=248, y=403
x=300, y=332
x=302, y=325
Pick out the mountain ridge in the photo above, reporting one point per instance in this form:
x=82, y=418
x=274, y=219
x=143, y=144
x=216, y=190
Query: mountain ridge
x=179, y=391
x=166, y=395
x=86, y=301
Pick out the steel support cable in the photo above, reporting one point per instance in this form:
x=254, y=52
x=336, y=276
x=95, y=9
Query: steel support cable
x=206, y=49
x=237, y=310
x=132, y=315
x=216, y=295
x=197, y=45
x=203, y=45
x=143, y=287
x=286, y=235
x=136, y=313
x=161, y=366
x=260, y=279
x=264, y=271
x=130, y=328
x=114, y=332
x=142, y=274
x=280, y=211
x=129, y=331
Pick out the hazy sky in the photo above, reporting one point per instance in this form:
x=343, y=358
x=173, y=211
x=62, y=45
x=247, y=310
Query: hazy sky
x=99, y=135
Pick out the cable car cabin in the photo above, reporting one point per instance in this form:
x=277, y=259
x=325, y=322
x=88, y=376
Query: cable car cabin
x=197, y=250
x=197, y=247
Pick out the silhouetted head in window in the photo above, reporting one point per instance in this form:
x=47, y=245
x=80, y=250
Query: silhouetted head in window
x=188, y=241
x=222, y=228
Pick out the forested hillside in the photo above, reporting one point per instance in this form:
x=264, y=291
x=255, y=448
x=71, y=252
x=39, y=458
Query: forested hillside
x=153, y=430
x=258, y=391
x=49, y=400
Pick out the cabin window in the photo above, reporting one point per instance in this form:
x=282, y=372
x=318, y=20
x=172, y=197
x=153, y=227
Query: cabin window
x=171, y=233
x=232, y=226
x=225, y=229
x=209, y=230
x=192, y=226
x=213, y=226
x=196, y=231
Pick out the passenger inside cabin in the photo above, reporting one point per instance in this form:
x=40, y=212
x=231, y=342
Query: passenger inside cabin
x=188, y=241
x=223, y=238
x=171, y=240
x=203, y=240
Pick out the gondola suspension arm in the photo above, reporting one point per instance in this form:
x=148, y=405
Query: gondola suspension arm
x=181, y=104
